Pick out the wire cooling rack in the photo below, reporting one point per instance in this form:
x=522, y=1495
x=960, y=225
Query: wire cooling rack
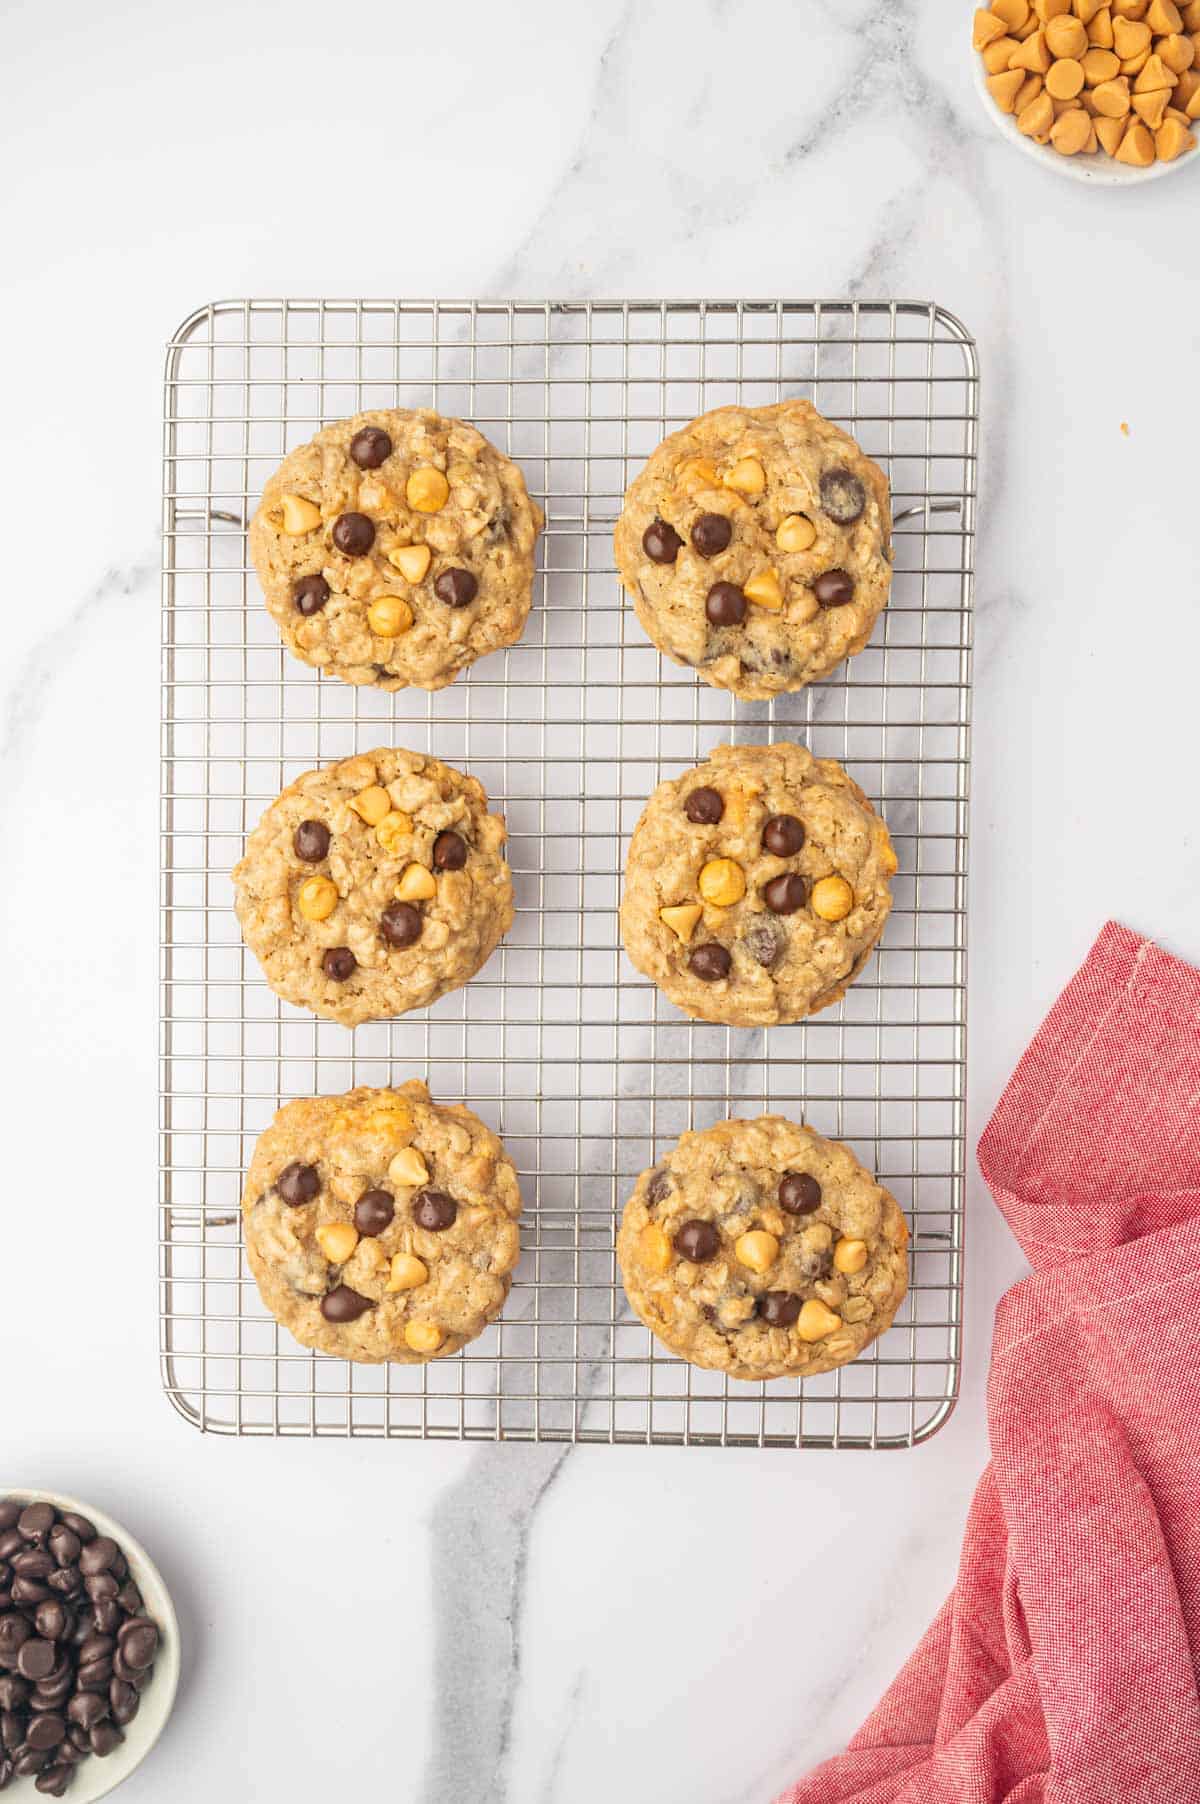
x=586, y=1071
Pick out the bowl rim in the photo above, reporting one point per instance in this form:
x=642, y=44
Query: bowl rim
x=1102, y=171
x=167, y=1663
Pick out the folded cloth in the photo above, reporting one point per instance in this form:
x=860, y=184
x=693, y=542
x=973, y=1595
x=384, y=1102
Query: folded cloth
x=1064, y=1665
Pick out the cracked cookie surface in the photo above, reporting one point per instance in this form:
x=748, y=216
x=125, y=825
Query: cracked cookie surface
x=395, y=548
x=381, y=1224
x=374, y=885
x=756, y=545
x=756, y=885
x=761, y=1249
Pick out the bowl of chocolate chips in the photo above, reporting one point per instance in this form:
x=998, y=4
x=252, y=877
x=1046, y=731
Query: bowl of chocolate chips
x=89, y=1649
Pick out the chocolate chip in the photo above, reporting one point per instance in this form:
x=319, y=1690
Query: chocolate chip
x=785, y=894
x=124, y=1701
x=434, y=1211
x=11, y=1542
x=843, y=496
x=659, y=1187
x=449, y=851
x=14, y=1692
x=725, y=605
x=373, y=1211
x=96, y=1647
x=456, y=587
x=310, y=841
x=29, y=1591
x=10, y=1511
x=139, y=1642
x=661, y=543
x=94, y=1675
x=344, y=1305
x=33, y=1562
x=353, y=534
x=698, y=1241
x=106, y=1615
x=779, y=1308
x=763, y=942
x=298, y=1183
x=710, y=962
x=400, y=924
x=783, y=835
x=79, y=1525
x=369, y=446
x=65, y=1581
x=53, y=1782
x=104, y=1738
x=45, y=1732
x=64, y=1545
x=12, y=1730
x=711, y=534
x=36, y=1521
x=834, y=588
x=799, y=1193
x=28, y=1762
x=704, y=806
x=53, y=1620
x=35, y=1658
x=339, y=963
x=130, y=1598
x=310, y=594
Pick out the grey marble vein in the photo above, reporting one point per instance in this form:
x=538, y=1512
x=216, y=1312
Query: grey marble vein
x=31, y=686
x=482, y=1531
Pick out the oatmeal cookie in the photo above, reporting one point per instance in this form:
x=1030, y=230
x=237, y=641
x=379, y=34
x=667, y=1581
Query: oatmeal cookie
x=395, y=548
x=381, y=1224
x=759, y=1249
x=756, y=885
x=373, y=886
x=756, y=545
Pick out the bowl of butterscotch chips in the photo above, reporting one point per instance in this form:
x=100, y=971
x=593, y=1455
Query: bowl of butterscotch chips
x=1101, y=90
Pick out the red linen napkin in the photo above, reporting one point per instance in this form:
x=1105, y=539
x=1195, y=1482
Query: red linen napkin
x=1063, y=1668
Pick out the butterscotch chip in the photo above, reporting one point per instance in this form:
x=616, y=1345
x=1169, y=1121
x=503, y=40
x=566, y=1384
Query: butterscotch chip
x=1112, y=98
x=1176, y=52
x=1005, y=88
x=1137, y=146
x=1099, y=66
x=1086, y=10
x=1069, y=135
x=1033, y=55
x=1193, y=106
x=1100, y=31
x=1164, y=16
x=1028, y=92
x=987, y=28
x=1014, y=12
x=1051, y=9
x=1066, y=37
x=1185, y=87
x=1172, y=139
x=346, y=1267
x=998, y=55
x=1130, y=9
x=1155, y=77
x=1130, y=37
x=1064, y=80
x=1110, y=132
x=1037, y=119
x=741, y=1297
x=1152, y=108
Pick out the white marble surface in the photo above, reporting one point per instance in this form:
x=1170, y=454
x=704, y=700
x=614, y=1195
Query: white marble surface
x=511, y=1624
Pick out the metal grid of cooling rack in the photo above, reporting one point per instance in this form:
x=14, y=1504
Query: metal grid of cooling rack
x=578, y=1062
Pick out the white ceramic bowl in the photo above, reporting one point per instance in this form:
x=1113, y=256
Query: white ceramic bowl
x=96, y=1778
x=1102, y=171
